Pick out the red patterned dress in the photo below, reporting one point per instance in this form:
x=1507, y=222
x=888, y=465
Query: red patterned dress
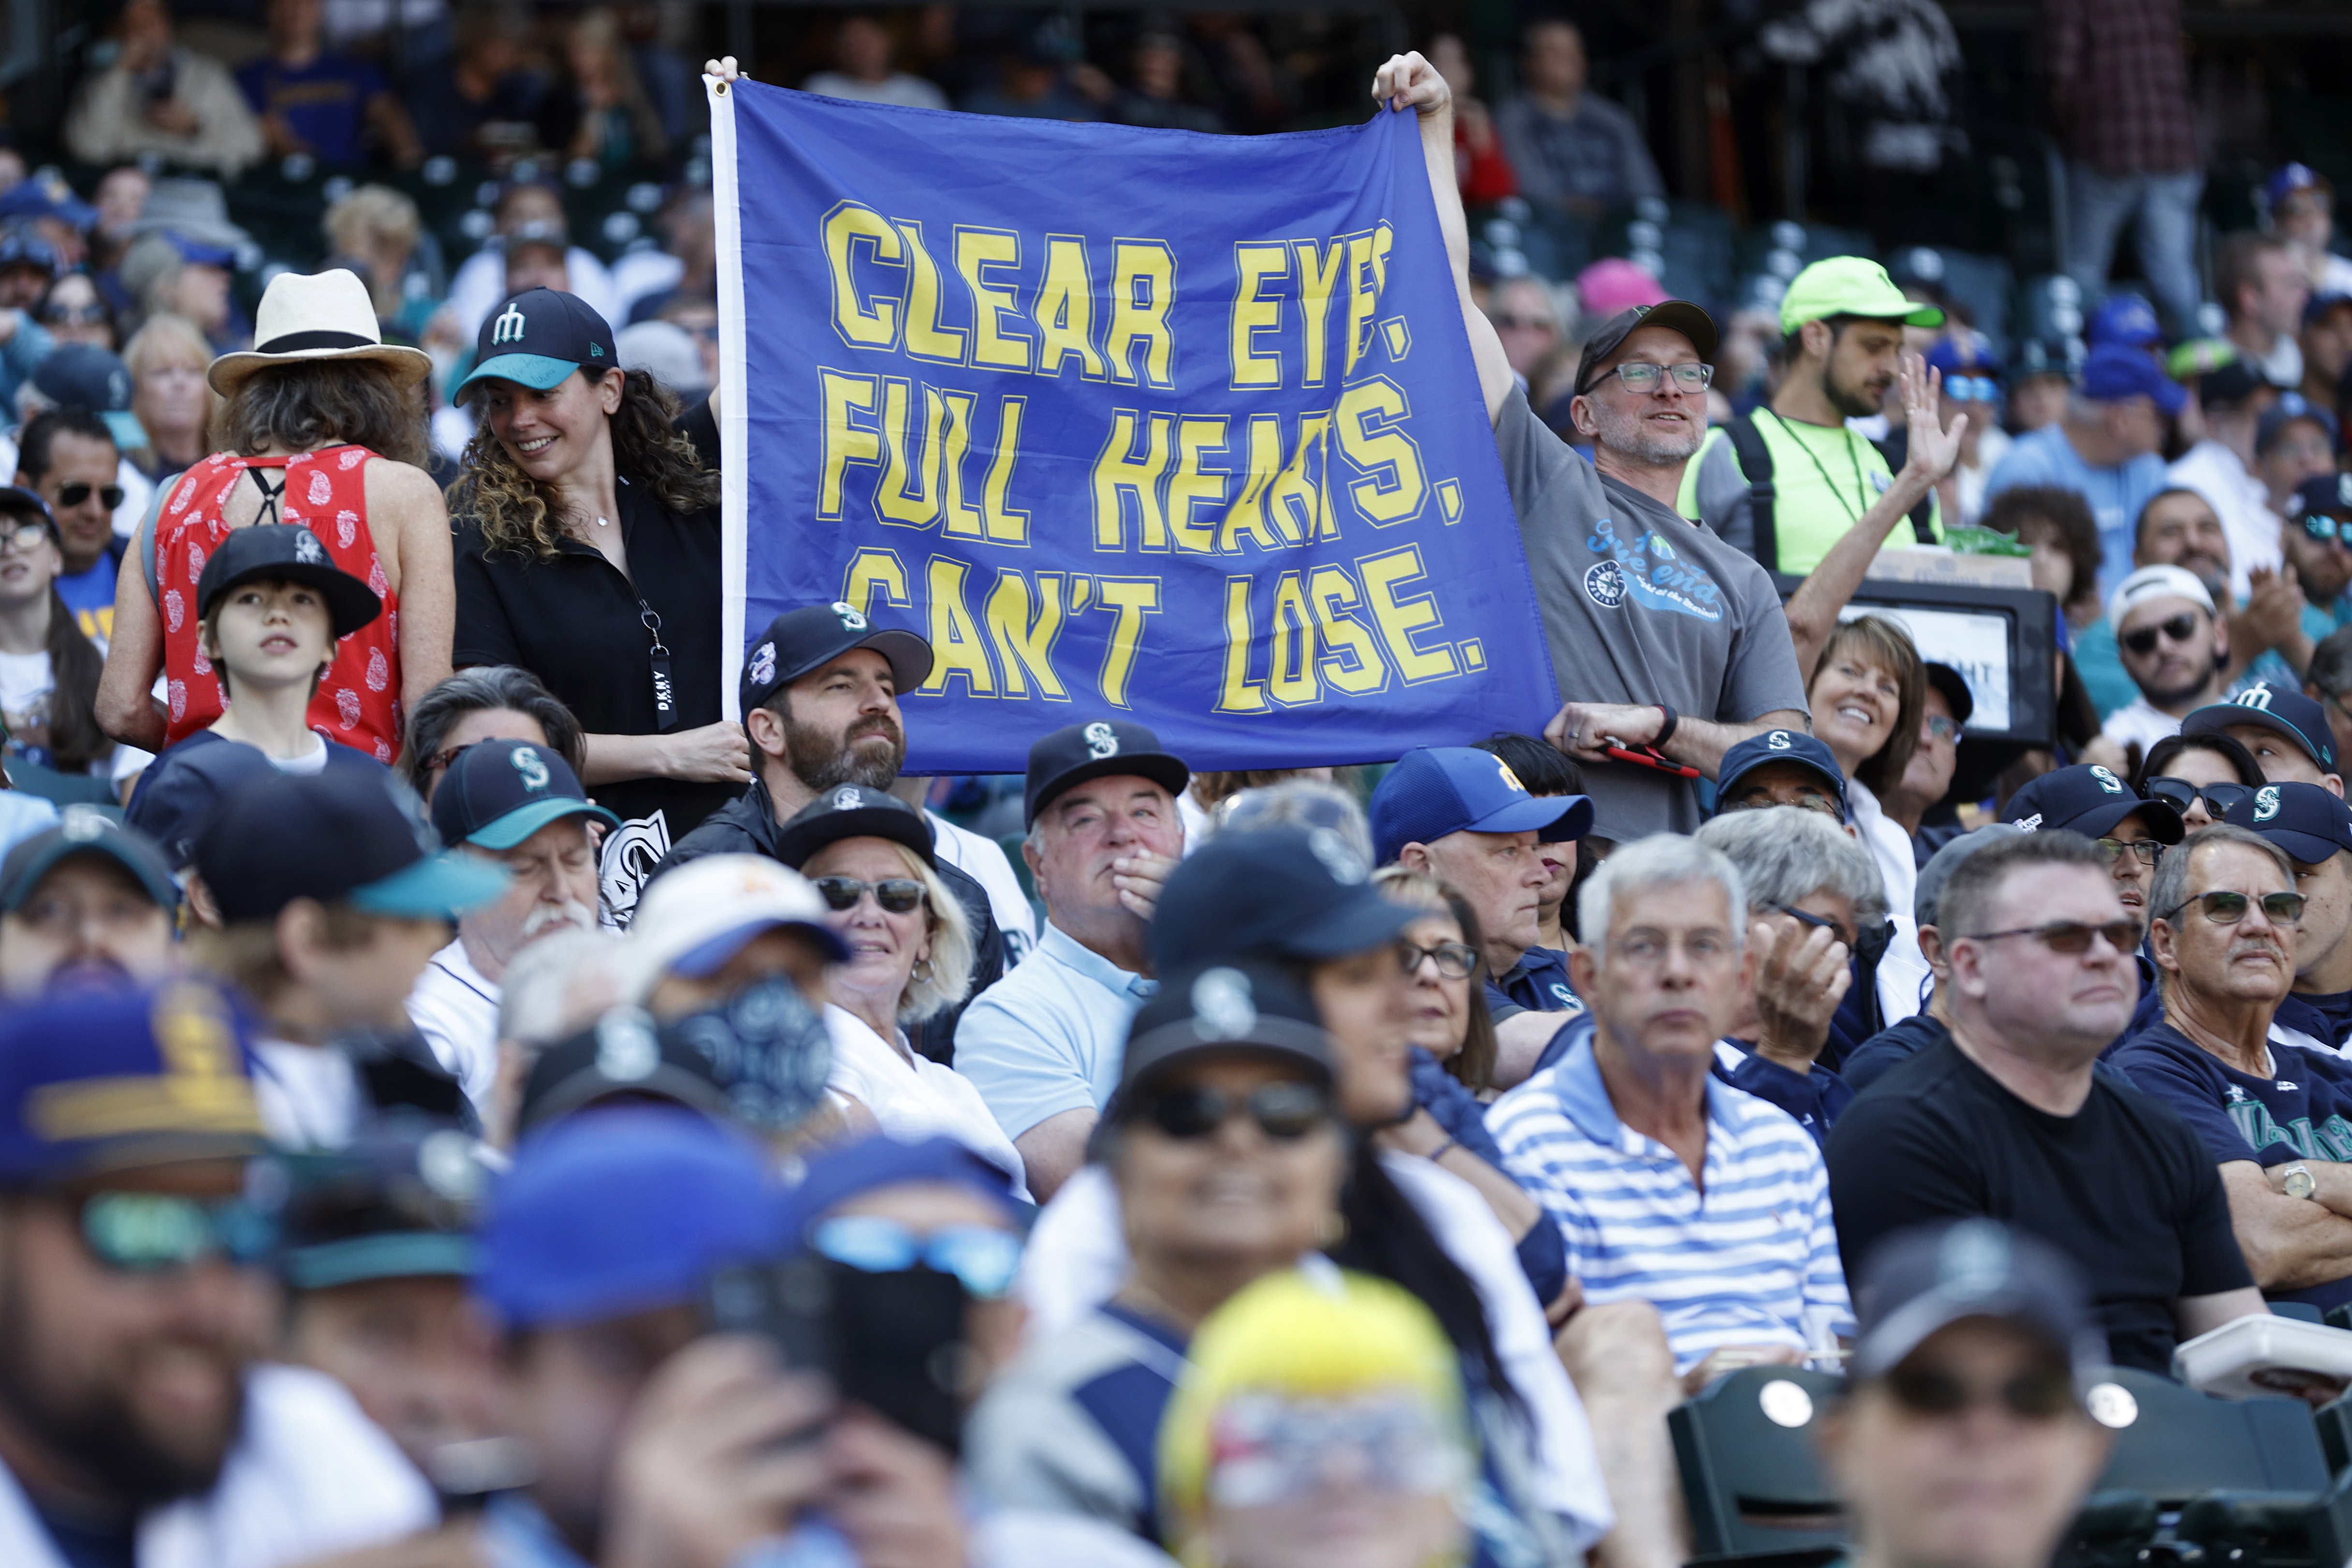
x=358, y=703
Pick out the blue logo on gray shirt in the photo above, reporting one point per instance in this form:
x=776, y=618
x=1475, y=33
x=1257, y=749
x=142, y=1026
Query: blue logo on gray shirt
x=1653, y=572
x=1605, y=585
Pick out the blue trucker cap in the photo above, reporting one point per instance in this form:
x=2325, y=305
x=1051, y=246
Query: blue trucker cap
x=1434, y=790
x=538, y=338
x=2112, y=372
x=2126, y=320
x=497, y=793
x=2288, y=712
x=2089, y=800
x=2308, y=823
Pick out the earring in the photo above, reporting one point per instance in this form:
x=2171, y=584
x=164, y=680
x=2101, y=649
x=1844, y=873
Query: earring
x=922, y=969
x=1330, y=1231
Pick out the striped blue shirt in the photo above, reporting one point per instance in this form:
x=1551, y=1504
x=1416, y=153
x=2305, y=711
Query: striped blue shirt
x=1752, y=1260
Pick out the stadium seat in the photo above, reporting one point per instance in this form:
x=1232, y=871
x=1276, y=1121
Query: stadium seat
x=1980, y=285
x=2301, y=1311
x=2172, y=1442
x=1752, y=1476
x=2050, y=309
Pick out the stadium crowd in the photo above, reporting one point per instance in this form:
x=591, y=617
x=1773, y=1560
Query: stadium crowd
x=464, y=1100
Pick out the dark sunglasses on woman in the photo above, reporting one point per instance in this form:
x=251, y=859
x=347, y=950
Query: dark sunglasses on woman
x=2180, y=794
x=896, y=894
x=1284, y=1112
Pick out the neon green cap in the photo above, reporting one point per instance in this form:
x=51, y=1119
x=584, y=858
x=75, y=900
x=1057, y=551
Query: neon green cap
x=1850, y=285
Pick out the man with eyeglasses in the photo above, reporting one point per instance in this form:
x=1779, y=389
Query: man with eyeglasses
x=2008, y=1120
x=2277, y=1118
x=2173, y=647
x=2317, y=540
x=2285, y=732
x=2314, y=827
x=2131, y=830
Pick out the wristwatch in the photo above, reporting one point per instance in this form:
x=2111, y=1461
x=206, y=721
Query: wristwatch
x=2297, y=1181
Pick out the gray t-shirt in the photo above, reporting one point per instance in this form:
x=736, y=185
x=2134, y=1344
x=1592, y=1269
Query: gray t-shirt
x=1641, y=606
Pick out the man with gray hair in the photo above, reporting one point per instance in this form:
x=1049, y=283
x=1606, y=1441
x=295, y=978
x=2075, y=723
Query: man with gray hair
x=2275, y=1117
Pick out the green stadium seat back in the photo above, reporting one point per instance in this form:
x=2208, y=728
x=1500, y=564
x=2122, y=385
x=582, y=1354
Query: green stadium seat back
x=1751, y=1474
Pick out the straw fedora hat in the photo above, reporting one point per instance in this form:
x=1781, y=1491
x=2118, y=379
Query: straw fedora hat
x=318, y=315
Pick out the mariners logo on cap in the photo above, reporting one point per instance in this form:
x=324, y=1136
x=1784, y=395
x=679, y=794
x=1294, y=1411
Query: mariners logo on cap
x=845, y=798
x=82, y=823
x=1776, y=741
x=763, y=663
x=1101, y=740
x=850, y=619
x=509, y=327
x=531, y=765
x=626, y=1048
x=1222, y=1008
x=1345, y=866
x=2255, y=696
x=1509, y=778
x=307, y=550
x=2108, y=781
x=2266, y=802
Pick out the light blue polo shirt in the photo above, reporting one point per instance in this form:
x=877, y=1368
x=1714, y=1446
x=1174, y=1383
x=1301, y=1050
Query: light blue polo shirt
x=1050, y=1036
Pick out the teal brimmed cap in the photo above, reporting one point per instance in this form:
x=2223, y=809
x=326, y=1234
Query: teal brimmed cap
x=398, y=1203
x=539, y=337
x=84, y=830
x=1850, y=285
x=353, y=835
x=497, y=793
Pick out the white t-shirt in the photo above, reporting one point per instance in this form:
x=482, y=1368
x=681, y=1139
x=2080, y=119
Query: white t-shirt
x=26, y=682
x=1195, y=820
x=914, y=1097
x=2241, y=501
x=457, y=1011
x=898, y=88
x=309, y=765
x=309, y=1094
x=2139, y=720
x=983, y=860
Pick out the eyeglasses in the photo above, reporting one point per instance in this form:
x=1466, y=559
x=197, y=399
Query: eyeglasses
x=2039, y=1395
x=1285, y=1111
x=1455, y=960
x=2180, y=629
x=1644, y=379
x=1867, y=943
x=1944, y=729
x=2226, y=908
x=71, y=314
x=2326, y=529
x=25, y=537
x=440, y=760
x=1972, y=388
x=2147, y=850
x=2072, y=937
x=1806, y=800
x=2180, y=795
x=75, y=494
x=896, y=894
x=984, y=1260
x=1543, y=323
x=145, y=1232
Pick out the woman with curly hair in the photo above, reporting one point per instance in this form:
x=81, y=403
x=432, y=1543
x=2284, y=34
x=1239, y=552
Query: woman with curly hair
x=588, y=553
x=321, y=428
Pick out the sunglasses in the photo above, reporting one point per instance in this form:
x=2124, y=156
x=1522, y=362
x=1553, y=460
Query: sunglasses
x=71, y=314
x=146, y=1232
x=984, y=1260
x=1646, y=378
x=1869, y=944
x=1284, y=1112
x=1455, y=960
x=1544, y=322
x=2226, y=908
x=26, y=536
x=896, y=894
x=1944, y=729
x=1972, y=388
x=2326, y=529
x=2180, y=629
x=2147, y=850
x=2073, y=937
x=76, y=493
x=2180, y=794
x=2042, y=1395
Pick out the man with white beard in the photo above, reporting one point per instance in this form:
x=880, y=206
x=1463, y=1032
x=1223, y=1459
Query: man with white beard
x=522, y=806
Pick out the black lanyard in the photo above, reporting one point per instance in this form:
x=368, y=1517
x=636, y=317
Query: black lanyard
x=1827, y=483
x=665, y=697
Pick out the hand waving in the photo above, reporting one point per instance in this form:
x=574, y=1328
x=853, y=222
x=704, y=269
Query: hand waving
x=1935, y=451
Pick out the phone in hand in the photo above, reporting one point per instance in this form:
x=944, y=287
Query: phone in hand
x=1650, y=756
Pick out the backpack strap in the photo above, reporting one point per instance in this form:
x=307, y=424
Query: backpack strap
x=1923, y=518
x=1756, y=466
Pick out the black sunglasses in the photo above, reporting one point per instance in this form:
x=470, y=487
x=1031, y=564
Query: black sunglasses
x=2180, y=629
x=1869, y=944
x=2039, y=1395
x=2180, y=794
x=76, y=493
x=2073, y=937
x=1285, y=1111
x=897, y=894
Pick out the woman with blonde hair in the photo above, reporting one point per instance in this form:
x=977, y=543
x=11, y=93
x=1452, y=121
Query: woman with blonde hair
x=167, y=359
x=376, y=231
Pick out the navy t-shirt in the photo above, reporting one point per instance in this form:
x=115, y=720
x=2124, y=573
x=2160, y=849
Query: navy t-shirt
x=324, y=102
x=2327, y=1017
x=1814, y=1097
x=1537, y=982
x=176, y=793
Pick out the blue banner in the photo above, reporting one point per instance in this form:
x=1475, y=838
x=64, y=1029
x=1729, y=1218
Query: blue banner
x=1177, y=427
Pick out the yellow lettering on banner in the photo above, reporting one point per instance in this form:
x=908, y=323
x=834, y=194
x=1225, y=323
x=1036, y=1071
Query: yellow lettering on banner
x=962, y=520
x=1006, y=525
x=1142, y=291
x=1399, y=619
x=1025, y=643
x=1119, y=474
x=875, y=573
x=1256, y=266
x=841, y=396
x=1237, y=693
x=1247, y=518
x=849, y=229
x=957, y=646
x=1319, y=280
x=1367, y=274
x=1290, y=646
x=1064, y=310
x=1300, y=498
x=1194, y=484
x=1357, y=668
x=978, y=254
x=909, y=495
x=1133, y=598
x=1371, y=414
x=928, y=336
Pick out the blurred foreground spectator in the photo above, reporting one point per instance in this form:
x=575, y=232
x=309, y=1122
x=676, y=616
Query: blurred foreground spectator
x=159, y=98
x=326, y=105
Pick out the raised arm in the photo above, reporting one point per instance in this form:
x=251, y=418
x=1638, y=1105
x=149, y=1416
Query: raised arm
x=1408, y=81
x=127, y=709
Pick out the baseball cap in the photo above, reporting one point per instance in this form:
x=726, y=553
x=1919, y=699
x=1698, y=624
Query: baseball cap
x=2112, y=372
x=2156, y=582
x=1613, y=283
x=2322, y=301
x=538, y=338
x=2228, y=384
x=2290, y=179
x=45, y=194
x=2088, y=799
x=1290, y=893
x=197, y=252
x=814, y=636
x=1743, y=758
x=622, y=1211
x=340, y=834
x=2289, y=712
x=852, y=1170
x=692, y=920
x=1954, y=688
x=83, y=375
x=2325, y=496
x=1239, y=1004
x=2291, y=406
x=290, y=553
x=497, y=793
x=85, y=830
x=2308, y=823
x=760, y=1058
x=1945, y=860
x=1675, y=315
x=1964, y=354
x=2047, y=357
x=2125, y=320
x=112, y=1080
x=1434, y=790
x=1076, y=752
x=1850, y=285
x=17, y=501
x=398, y=1202
x=853, y=811
x=1919, y=1282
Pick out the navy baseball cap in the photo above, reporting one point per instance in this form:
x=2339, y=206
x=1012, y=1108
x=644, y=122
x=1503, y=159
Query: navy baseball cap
x=113, y=1080
x=85, y=376
x=1919, y=1282
x=1283, y=892
x=2112, y=372
x=851, y=1170
x=1231, y=1005
x=2125, y=320
x=2041, y=357
x=2088, y=799
x=1434, y=790
x=17, y=501
x=497, y=793
x=814, y=636
x=2289, y=712
x=286, y=553
x=854, y=812
x=2325, y=500
x=1078, y=752
x=84, y=830
x=398, y=1202
x=621, y=1211
x=2291, y=406
x=1745, y=756
x=335, y=835
x=1954, y=688
x=538, y=338
x=2308, y=823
